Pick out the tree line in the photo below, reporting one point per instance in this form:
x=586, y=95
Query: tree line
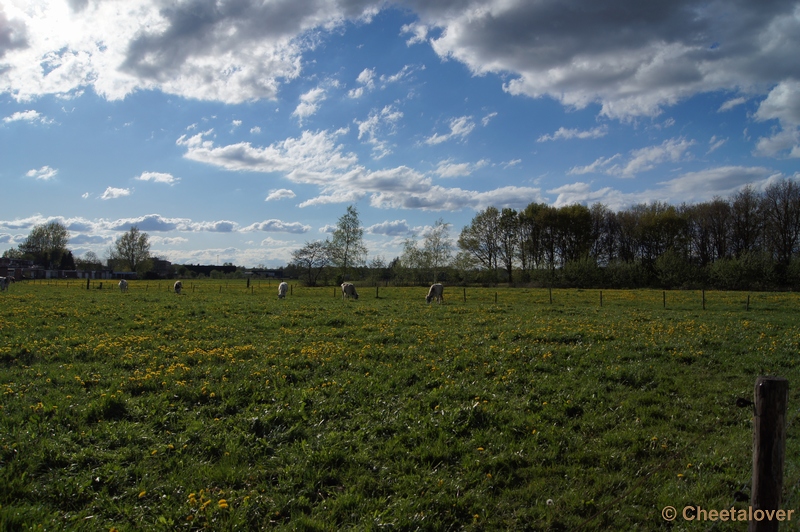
x=46, y=247
x=750, y=240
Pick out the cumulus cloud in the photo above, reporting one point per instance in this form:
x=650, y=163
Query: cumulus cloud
x=279, y=194
x=781, y=104
x=230, y=51
x=45, y=173
x=26, y=116
x=366, y=82
x=114, y=193
x=460, y=127
x=158, y=177
x=631, y=59
x=278, y=226
x=389, y=228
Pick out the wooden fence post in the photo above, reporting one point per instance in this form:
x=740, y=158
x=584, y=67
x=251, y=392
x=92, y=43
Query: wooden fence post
x=551, y=296
x=376, y=291
x=601, y=298
x=704, y=299
x=665, y=299
x=769, y=442
x=465, y=295
x=748, y=302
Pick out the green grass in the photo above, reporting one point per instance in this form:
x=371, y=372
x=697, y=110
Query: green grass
x=225, y=408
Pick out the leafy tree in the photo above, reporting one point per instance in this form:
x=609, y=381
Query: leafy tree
x=747, y=225
x=311, y=259
x=437, y=247
x=781, y=210
x=89, y=262
x=46, y=244
x=132, y=250
x=347, y=247
x=480, y=238
x=508, y=240
x=13, y=253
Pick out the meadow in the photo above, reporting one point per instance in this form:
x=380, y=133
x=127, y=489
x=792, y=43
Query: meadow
x=224, y=408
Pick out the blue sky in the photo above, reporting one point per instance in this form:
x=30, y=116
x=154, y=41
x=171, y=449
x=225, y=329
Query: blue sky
x=237, y=130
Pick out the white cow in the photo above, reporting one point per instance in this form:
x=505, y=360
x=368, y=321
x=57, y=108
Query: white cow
x=123, y=285
x=436, y=292
x=4, y=282
x=349, y=290
x=282, y=289
x=178, y=287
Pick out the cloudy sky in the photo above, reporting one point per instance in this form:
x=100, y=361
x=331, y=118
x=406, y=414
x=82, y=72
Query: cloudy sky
x=237, y=130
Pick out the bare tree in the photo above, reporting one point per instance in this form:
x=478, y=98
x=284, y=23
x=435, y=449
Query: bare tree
x=312, y=259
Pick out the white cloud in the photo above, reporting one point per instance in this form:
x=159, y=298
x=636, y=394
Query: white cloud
x=690, y=187
x=566, y=134
x=389, y=228
x=309, y=103
x=714, y=144
x=114, y=193
x=158, y=177
x=641, y=160
x=486, y=119
x=781, y=104
x=45, y=173
x=460, y=127
x=366, y=80
x=419, y=33
x=629, y=60
x=448, y=168
x=255, y=130
x=229, y=52
x=378, y=123
x=730, y=104
x=26, y=116
x=279, y=194
x=278, y=226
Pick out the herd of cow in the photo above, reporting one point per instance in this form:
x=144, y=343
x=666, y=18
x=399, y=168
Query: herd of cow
x=436, y=291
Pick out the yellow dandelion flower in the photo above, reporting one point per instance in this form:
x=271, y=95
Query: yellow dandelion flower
x=142, y=494
x=223, y=503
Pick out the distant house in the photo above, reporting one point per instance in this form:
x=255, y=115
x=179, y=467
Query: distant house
x=17, y=268
x=161, y=268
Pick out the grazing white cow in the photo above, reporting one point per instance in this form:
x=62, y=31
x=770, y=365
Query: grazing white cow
x=349, y=290
x=282, y=289
x=436, y=292
x=123, y=285
x=178, y=287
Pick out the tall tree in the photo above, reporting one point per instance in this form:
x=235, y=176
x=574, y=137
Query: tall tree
x=747, y=225
x=781, y=208
x=479, y=238
x=46, y=244
x=132, y=249
x=437, y=247
x=347, y=247
x=508, y=240
x=311, y=259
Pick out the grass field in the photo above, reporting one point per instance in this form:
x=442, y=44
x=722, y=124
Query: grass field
x=225, y=408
